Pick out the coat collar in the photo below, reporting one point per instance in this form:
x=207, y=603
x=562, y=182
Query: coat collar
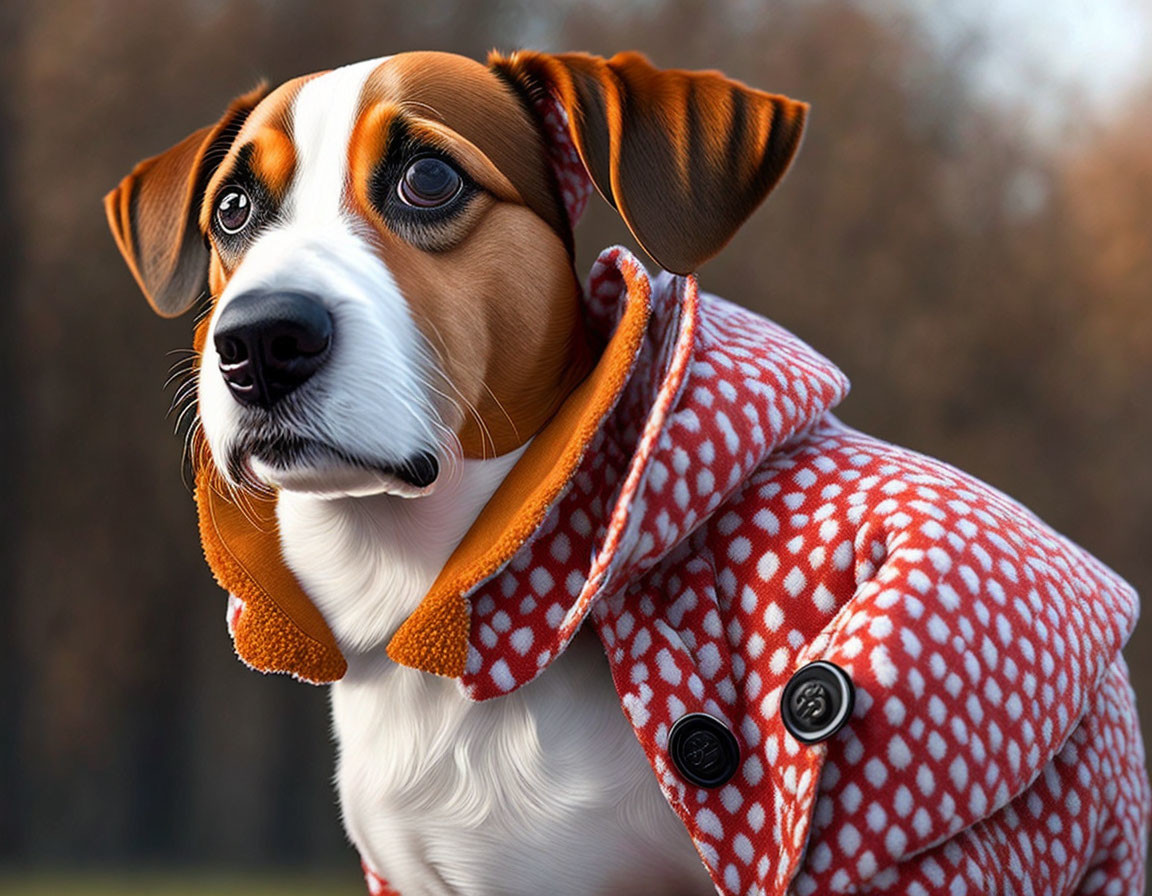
x=612, y=453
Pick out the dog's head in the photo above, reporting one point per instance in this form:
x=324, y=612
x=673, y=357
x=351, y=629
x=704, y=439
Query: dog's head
x=391, y=242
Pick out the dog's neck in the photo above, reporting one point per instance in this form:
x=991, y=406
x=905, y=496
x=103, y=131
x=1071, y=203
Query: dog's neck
x=367, y=562
x=433, y=786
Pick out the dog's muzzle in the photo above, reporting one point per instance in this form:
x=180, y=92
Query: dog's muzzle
x=270, y=344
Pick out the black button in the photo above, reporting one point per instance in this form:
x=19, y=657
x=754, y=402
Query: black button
x=817, y=701
x=703, y=750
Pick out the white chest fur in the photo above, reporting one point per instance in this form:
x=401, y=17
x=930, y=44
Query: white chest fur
x=543, y=791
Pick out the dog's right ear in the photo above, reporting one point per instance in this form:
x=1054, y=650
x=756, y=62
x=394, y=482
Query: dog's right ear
x=154, y=211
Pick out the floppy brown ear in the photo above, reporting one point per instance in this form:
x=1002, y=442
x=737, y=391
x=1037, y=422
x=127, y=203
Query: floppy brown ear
x=684, y=156
x=153, y=212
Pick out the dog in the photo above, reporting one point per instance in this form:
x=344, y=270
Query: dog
x=426, y=456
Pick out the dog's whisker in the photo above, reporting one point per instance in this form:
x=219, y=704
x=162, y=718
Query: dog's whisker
x=180, y=409
x=184, y=391
x=438, y=365
x=448, y=438
x=186, y=464
x=205, y=310
x=178, y=406
x=180, y=368
x=185, y=364
x=504, y=411
x=179, y=374
x=417, y=104
x=186, y=357
x=241, y=494
x=486, y=437
x=428, y=421
x=183, y=414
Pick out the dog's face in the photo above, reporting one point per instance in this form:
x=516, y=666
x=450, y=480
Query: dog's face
x=388, y=252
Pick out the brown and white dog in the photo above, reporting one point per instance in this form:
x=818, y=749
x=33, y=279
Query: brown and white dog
x=394, y=316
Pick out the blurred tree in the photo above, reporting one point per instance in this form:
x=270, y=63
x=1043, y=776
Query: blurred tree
x=11, y=24
x=1106, y=190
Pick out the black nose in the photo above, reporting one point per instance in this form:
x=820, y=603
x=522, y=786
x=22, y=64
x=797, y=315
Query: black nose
x=269, y=343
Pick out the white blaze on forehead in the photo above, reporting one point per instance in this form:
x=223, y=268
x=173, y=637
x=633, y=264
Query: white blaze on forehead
x=324, y=115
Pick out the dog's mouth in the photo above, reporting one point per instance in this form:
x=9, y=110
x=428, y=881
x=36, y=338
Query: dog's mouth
x=290, y=458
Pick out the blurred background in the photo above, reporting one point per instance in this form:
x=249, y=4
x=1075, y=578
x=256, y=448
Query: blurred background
x=967, y=231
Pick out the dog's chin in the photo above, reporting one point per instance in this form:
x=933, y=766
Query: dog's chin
x=336, y=481
x=329, y=473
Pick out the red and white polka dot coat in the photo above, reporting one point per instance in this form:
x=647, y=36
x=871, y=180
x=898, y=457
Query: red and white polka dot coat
x=723, y=529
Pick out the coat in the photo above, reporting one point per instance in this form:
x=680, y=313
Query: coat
x=851, y=667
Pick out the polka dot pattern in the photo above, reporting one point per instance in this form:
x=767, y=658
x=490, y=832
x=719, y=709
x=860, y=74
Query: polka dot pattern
x=724, y=529
x=571, y=177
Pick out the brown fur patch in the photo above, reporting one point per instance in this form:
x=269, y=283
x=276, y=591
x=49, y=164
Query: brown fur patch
x=509, y=339
x=504, y=323
x=274, y=159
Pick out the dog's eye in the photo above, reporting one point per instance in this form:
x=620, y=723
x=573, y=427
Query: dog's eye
x=429, y=183
x=233, y=209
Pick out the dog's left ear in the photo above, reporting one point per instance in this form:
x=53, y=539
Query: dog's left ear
x=153, y=212
x=685, y=157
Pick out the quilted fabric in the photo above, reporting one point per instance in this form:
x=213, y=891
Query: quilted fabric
x=724, y=529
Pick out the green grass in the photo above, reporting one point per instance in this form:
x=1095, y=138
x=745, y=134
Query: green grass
x=191, y=883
